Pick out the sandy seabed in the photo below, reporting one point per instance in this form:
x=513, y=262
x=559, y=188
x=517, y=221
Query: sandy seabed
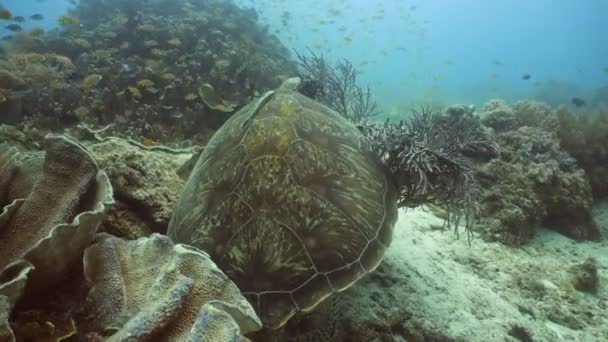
x=442, y=289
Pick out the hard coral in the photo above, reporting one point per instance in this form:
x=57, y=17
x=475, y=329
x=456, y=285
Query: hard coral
x=498, y=115
x=43, y=234
x=533, y=181
x=585, y=136
x=146, y=186
x=509, y=211
x=153, y=289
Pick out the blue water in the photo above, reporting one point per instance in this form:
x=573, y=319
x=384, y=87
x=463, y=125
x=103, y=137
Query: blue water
x=452, y=47
x=51, y=9
x=437, y=51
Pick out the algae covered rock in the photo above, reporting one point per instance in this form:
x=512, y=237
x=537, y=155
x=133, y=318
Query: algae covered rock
x=585, y=136
x=585, y=276
x=533, y=181
x=145, y=182
x=153, y=289
x=498, y=115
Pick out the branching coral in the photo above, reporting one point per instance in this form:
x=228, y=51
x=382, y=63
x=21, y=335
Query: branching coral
x=427, y=156
x=336, y=87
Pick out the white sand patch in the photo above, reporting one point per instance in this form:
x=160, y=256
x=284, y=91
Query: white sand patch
x=484, y=292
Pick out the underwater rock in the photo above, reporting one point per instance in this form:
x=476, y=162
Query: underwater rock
x=498, y=115
x=585, y=276
x=568, y=200
x=151, y=288
x=536, y=114
x=43, y=235
x=583, y=135
x=146, y=186
x=533, y=181
x=510, y=211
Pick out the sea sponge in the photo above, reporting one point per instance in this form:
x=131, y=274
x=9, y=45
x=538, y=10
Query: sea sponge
x=43, y=235
x=154, y=289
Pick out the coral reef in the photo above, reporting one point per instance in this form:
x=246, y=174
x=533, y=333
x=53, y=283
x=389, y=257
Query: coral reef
x=52, y=208
x=146, y=186
x=48, y=290
x=413, y=300
x=43, y=89
x=24, y=139
x=152, y=289
x=147, y=67
x=533, y=181
x=585, y=136
x=498, y=115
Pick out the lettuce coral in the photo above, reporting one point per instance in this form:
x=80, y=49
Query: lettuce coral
x=51, y=211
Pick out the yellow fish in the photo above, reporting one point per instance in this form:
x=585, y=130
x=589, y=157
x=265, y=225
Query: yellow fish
x=67, y=20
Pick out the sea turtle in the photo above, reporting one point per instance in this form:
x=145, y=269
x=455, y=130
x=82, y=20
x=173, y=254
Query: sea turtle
x=289, y=202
